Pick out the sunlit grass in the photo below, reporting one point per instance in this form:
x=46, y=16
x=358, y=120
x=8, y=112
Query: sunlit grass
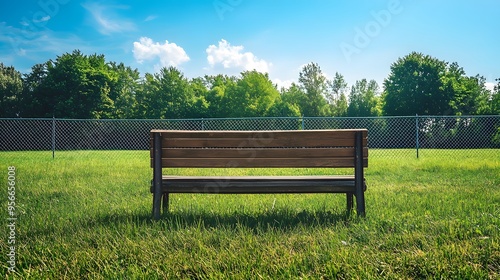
x=87, y=215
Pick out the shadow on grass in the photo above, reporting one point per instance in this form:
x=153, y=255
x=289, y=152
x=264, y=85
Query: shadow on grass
x=283, y=220
x=279, y=220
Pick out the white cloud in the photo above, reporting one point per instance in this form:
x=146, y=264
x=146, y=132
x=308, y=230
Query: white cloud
x=283, y=83
x=168, y=54
x=151, y=17
x=43, y=19
x=106, y=21
x=233, y=57
x=489, y=86
x=21, y=52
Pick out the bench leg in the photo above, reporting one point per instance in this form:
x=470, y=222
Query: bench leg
x=165, y=203
x=157, y=176
x=156, y=206
x=350, y=202
x=359, y=176
x=360, y=204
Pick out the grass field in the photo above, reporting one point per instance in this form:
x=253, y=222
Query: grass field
x=87, y=215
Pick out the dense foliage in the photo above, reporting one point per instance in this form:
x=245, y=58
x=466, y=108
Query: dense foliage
x=75, y=85
x=420, y=84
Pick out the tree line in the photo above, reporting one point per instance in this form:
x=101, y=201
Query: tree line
x=75, y=85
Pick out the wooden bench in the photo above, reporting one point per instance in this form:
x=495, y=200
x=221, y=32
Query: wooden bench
x=249, y=149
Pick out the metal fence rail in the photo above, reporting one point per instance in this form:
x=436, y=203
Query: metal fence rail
x=391, y=134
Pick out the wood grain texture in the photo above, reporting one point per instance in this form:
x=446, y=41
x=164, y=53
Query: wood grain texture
x=258, y=184
x=303, y=148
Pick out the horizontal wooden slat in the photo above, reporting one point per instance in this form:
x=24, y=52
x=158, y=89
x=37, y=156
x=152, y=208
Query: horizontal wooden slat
x=255, y=143
x=304, y=148
x=259, y=153
x=255, y=139
x=252, y=143
x=258, y=184
x=260, y=162
x=263, y=135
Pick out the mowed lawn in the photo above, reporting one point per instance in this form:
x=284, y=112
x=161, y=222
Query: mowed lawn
x=87, y=215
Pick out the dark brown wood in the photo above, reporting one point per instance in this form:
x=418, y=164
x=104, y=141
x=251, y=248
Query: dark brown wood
x=359, y=177
x=165, y=201
x=255, y=143
x=253, y=139
x=259, y=152
x=258, y=184
x=265, y=135
x=259, y=162
x=350, y=201
x=259, y=149
x=157, y=174
x=220, y=157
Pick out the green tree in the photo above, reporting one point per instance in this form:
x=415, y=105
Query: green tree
x=165, y=95
x=123, y=91
x=424, y=85
x=294, y=97
x=495, y=110
x=284, y=109
x=414, y=86
x=314, y=84
x=11, y=89
x=200, y=108
x=336, y=96
x=33, y=96
x=72, y=86
x=469, y=94
x=363, y=99
x=148, y=106
x=495, y=100
x=216, y=96
x=252, y=96
x=174, y=87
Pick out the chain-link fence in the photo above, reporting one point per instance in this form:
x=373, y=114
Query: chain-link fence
x=393, y=136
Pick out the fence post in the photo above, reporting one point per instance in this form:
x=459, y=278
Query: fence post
x=202, y=124
x=416, y=127
x=53, y=136
x=302, y=122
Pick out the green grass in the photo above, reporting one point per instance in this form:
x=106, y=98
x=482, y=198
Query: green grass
x=87, y=215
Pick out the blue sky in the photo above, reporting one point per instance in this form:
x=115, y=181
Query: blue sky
x=359, y=39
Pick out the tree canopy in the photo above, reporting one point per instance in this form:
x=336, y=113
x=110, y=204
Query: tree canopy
x=11, y=88
x=76, y=85
x=424, y=85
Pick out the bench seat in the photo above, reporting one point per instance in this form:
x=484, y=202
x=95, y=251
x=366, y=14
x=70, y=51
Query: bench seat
x=258, y=184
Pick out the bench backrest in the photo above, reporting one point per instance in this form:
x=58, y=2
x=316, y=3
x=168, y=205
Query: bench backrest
x=300, y=148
